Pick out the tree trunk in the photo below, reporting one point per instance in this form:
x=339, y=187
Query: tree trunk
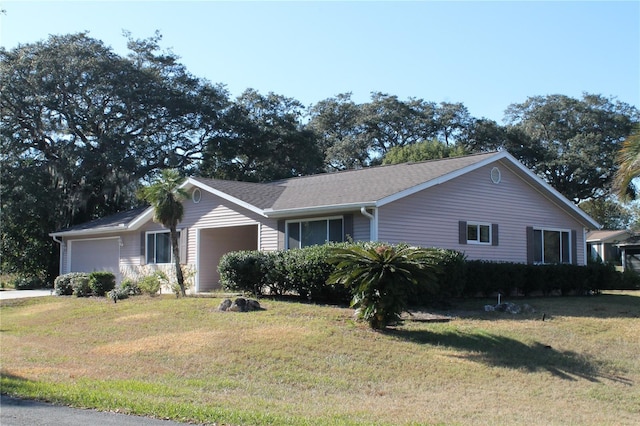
x=176, y=260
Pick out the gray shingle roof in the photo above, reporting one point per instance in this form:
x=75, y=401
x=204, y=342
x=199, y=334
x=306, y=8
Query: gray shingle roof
x=348, y=187
x=261, y=195
x=115, y=220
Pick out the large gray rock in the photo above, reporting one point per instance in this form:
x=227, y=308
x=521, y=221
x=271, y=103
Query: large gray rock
x=240, y=305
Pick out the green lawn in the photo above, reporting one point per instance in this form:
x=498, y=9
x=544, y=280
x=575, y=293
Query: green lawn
x=300, y=364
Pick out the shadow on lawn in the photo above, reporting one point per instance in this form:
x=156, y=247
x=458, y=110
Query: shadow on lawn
x=600, y=306
x=500, y=351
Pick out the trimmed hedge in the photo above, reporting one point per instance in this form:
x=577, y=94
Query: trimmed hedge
x=304, y=272
x=82, y=284
x=487, y=278
x=101, y=282
x=65, y=285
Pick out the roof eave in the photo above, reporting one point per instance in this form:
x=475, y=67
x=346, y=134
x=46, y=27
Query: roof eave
x=307, y=211
x=551, y=193
x=193, y=182
x=90, y=231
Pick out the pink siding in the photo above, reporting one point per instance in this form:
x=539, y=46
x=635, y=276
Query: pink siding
x=430, y=218
x=361, y=227
x=215, y=212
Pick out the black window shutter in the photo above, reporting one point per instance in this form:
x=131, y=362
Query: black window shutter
x=494, y=234
x=183, y=244
x=143, y=243
x=281, y=234
x=462, y=232
x=530, y=254
x=574, y=247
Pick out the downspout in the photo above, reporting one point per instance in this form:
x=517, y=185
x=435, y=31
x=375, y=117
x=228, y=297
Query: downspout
x=61, y=242
x=584, y=243
x=373, y=225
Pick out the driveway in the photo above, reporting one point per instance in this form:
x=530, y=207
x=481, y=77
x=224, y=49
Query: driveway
x=19, y=412
x=19, y=294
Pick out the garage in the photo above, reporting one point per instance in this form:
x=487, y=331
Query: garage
x=101, y=254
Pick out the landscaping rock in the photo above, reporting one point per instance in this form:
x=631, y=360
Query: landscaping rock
x=240, y=305
x=225, y=305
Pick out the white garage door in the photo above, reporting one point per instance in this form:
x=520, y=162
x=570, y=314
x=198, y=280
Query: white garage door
x=95, y=255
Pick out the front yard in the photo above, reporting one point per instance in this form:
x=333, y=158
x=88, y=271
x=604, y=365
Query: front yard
x=300, y=364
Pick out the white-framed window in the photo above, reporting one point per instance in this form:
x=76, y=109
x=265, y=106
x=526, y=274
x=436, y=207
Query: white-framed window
x=478, y=233
x=158, y=247
x=552, y=245
x=304, y=233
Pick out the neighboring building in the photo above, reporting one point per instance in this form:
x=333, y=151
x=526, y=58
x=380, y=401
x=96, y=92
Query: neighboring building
x=602, y=245
x=488, y=206
x=619, y=247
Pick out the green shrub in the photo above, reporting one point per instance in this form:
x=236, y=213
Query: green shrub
x=628, y=280
x=151, y=284
x=244, y=271
x=130, y=287
x=378, y=277
x=65, y=284
x=101, y=282
x=80, y=285
x=302, y=272
x=486, y=278
x=118, y=293
x=451, y=279
x=27, y=283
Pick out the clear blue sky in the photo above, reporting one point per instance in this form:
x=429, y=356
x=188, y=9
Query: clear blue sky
x=486, y=55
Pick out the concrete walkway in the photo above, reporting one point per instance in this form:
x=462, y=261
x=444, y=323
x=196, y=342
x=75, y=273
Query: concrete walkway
x=19, y=294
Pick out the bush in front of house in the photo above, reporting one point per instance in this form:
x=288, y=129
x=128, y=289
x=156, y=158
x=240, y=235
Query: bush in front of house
x=80, y=285
x=451, y=279
x=27, y=283
x=64, y=285
x=151, y=284
x=124, y=290
x=101, y=282
x=380, y=277
x=629, y=280
x=487, y=278
x=244, y=271
x=302, y=272
x=130, y=287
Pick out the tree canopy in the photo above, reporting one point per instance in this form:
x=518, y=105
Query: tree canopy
x=82, y=127
x=571, y=143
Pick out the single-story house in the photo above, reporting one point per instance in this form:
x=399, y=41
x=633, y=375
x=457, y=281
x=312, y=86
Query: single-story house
x=489, y=206
x=602, y=245
x=619, y=247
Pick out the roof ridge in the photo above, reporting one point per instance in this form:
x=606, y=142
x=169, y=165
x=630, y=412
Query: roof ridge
x=379, y=166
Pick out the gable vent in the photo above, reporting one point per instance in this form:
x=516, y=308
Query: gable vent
x=496, y=175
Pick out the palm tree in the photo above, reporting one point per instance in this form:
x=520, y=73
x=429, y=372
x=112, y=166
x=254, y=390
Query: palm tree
x=165, y=196
x=629, y=165
x=379, y=277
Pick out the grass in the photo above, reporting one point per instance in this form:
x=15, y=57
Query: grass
x=300, y=364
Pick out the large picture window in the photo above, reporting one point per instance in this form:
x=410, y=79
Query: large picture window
x=159, y=247
x=314, y=232
x=551, y=246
